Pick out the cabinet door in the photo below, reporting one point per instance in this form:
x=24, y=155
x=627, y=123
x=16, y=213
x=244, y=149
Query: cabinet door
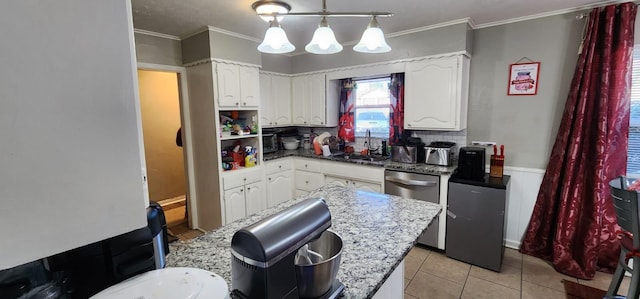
x=250, y=86
x=431, y=95
x=299, y=91
x=279, y=187
x=255, y=195
x=316, y=106
x=328, y=179
x=366, y=186
x=266, y=118
x=228, y=85
x=281, y=100
x=234, y=204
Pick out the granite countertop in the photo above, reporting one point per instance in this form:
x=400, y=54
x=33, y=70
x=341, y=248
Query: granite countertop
x=387, y=164
x=378, y=230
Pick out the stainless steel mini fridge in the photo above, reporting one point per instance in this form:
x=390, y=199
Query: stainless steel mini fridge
x=476, y=221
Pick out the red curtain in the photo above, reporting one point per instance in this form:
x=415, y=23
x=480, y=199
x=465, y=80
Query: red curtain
x=574, y=223
x=346, y=125
x=396, y=113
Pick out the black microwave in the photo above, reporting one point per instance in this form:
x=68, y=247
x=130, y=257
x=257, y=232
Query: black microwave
x=269, y=143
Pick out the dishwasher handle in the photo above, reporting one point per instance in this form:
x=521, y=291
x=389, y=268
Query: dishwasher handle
x=406, y=182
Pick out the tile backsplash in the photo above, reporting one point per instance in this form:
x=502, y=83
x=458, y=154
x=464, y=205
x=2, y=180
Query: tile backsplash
x=459, y=137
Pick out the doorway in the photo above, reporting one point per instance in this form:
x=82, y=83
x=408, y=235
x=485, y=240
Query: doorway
x=164, y=115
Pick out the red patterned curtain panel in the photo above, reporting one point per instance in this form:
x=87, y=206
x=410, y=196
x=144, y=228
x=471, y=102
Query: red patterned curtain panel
x=574, y=223
x=346, y=124
x=396, y=113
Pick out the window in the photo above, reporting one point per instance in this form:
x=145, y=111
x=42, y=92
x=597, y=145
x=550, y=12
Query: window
x=372, y=107
x=633, y=159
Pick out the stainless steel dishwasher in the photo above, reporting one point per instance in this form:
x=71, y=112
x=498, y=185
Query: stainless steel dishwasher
x=417, y=186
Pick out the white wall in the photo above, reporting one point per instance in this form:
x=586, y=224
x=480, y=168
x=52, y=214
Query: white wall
x=524, y=186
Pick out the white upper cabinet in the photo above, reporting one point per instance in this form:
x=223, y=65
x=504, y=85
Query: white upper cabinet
x=238, y=86
x=249, y=86
x=310, y=106
x=275, y=100
x=436, y=94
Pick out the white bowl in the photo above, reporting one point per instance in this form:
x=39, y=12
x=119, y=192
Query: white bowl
x=290, y=144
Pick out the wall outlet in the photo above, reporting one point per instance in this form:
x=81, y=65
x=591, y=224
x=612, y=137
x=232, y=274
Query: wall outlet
x=483, y=143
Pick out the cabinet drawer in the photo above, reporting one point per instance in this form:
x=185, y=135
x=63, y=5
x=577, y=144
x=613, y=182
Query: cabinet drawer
x=278, y=165
x=238, y=179
x=308, y=181
x=308, y=165
x=354, y=172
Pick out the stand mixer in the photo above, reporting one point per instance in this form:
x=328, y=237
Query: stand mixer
x=290, y=254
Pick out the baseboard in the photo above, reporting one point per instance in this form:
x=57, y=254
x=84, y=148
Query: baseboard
x=512, y=244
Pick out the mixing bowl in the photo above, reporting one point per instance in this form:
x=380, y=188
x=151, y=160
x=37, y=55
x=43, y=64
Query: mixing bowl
x=290, y=144
x=316, y=278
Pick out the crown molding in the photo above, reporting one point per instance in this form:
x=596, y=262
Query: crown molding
x=550, y=13
x=430, y=27
x=219, y=60
x=156, y=34
x=223, y=31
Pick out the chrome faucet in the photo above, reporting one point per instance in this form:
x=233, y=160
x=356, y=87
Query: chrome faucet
x=368, y=142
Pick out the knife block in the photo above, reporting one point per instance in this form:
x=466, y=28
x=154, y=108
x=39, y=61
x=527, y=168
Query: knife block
x=496, y=169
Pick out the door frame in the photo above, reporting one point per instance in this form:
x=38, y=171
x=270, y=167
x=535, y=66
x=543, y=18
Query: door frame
x=187, y=149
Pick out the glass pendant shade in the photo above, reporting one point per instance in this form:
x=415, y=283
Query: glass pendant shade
x=372, y=40
x=323, y=41
x=276, y=41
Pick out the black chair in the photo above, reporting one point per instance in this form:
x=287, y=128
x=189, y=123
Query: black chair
x=626, y=205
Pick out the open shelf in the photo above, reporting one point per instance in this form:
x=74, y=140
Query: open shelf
x=234, y=137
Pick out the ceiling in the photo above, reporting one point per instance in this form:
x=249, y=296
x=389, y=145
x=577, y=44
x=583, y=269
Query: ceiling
x=182, y=17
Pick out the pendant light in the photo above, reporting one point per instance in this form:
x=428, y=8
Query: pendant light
x=323, y=41
x=372, y=40
x=275, y=40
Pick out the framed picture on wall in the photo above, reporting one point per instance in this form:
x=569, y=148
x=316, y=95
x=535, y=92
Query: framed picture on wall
x=523, y=79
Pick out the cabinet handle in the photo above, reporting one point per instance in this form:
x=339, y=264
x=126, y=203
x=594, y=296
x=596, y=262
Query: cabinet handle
x=408, y=125
x=305, y=122
x=245, y=103
x=245, y=179
x=279, y=166
x=241, y=190
x=322, y=123
x=346, y=182
x=306, y=182
x=305, y=166
x=237, y=104
x=248, y=188
x=270, y=123
x=269, y=178
x=276, y=123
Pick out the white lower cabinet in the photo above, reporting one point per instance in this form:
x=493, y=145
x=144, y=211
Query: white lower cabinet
x=234, y=204
x=308, y=175
x=279, y=181
x=243, y=195
x=360, y=177
x=353, y=183
x=254, y=198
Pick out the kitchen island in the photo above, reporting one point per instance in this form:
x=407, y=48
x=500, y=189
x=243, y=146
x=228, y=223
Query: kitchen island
x=378, y=231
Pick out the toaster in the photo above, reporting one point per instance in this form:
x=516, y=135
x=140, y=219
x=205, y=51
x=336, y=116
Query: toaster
x=439, y=153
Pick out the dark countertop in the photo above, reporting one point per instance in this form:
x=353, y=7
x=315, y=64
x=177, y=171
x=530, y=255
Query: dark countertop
x=378, y=231
x=387, y=164
x=486, y=181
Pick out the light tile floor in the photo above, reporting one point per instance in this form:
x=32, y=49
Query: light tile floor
x=431, y=274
